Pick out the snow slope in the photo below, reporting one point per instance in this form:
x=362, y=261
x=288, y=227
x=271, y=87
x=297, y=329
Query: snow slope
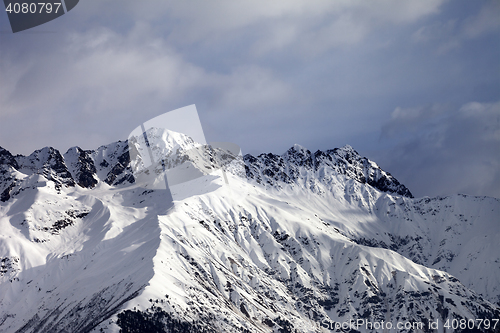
x=302, y=242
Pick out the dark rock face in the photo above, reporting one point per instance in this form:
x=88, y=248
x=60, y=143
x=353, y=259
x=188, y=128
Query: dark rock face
x=7, y=158
x=5, y=195
x=86, y=171
x=76, y=167
x=56, y=163
x=361, y=169
x=111, y=165
x=7, y=182
x=159, y=321
x=267, y=168
x=121, y=171
x=272, y=169
x=49, y=163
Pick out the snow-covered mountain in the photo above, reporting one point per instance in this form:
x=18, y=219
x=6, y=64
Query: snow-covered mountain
x=304, y=242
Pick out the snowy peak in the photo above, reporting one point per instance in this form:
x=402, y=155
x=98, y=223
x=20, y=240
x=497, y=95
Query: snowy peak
x=346, y=152
x=353, y=165
x=82, y=167
x=161, y=145
x=158, y=153
x=8, y=166
x=170, y=141
x=7, y=158
x=299, y=163
x=47, y=162
x=238, y=258
x=85, y=168
x=111, y=164
x=299, y=156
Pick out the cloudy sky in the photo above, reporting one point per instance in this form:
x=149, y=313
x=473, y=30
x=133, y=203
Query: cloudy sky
x=413, y=85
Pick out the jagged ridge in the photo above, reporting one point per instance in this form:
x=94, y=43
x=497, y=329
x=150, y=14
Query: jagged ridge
x=239, y=257
x=86, y=168
x=111, y=164
x=288, y=168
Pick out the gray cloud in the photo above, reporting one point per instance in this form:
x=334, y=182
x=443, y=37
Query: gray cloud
x=453, y=33
x=101, y=76
x=443, y=150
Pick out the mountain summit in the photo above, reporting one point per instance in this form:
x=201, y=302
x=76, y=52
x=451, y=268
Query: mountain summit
x=110, y=164
x=299, y=242
x=299, y=164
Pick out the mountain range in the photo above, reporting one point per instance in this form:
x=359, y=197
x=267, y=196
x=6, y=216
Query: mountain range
x=298, y=242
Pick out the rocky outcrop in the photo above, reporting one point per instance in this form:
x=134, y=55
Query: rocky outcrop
x=299, y=162
x=110, y=164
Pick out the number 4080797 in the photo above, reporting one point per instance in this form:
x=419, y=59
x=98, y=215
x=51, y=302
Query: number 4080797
x=471, y=324
x=32, y=8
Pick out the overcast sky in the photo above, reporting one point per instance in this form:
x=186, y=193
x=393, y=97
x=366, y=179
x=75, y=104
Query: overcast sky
x=413, y=85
